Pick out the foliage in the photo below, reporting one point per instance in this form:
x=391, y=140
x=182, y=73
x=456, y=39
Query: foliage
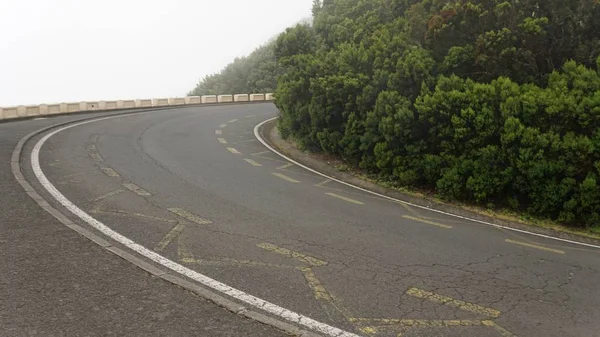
x=255, y=73
x=489, y=102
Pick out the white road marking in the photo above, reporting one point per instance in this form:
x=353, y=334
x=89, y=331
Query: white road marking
x=218, y=132
x=258, y=136
x=194, y=275
x=222, y=140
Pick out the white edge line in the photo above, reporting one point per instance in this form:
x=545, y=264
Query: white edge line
x=174, y=266
x=257, y=135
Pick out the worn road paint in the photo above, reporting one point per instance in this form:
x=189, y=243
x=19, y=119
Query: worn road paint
x=108, y=195
x=282, y=167
x=503, y=332
x=449, y=301
x=284, y=177
x=222, y=126
x=531, y=245
x=291, y=254
x=425, y=221
x=218, y=132
x=234, y=151
x=189, y=216
x=323, y=183
x=171, y=235
x=315, y=285
x=249, y=116
x=239, y=295
x=222, y=140
x=260, y=153
x=137, y=190
x=341, y=197
x=110, y=172
x=253, y=163
x=233, y=121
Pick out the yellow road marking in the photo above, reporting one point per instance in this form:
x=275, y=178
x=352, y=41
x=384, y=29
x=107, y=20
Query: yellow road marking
x=252, y=162
x=315, y=284
x=171, y=235
x=449, y=301
x=110, y=172
x=218, y=132
x=136, y=189
x=190, y=216
x=426, y=221
x=295, y=255
x=323, y=183
x=418, y=322
x=260, y=153
x=284, y=177
x=108, y=195
x=222, y=140
x=222, y=126
x=530, y=245
x=184, y=254
x=233, y=121
x=503, y=332
x=96, y=156
x=234, y=151
x=341, y=197
x=271, y=159
x=97, y=210
x=285, y=166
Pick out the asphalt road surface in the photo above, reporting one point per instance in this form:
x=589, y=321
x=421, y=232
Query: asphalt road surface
x=195, y=185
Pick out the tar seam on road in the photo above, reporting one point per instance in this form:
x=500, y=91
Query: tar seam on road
x=268, y=146
x=251, y=300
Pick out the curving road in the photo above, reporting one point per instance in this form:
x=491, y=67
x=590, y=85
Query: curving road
x=195, y=185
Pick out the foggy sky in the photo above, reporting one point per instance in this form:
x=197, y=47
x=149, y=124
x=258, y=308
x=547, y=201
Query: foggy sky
x=55, y=51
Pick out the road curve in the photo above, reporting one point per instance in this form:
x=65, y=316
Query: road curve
x=195, y=186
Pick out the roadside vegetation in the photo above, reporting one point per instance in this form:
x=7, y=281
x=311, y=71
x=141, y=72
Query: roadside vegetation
x=490, y=103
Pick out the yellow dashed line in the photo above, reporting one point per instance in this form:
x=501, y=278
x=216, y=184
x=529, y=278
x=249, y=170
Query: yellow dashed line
x=218, y=132
x=323, y=183
x=222, y=140
x=222, y=126
x=108, y=195
x=173, y=233
x=356, y=202
x=285, y=166
x=260, y=153
x=136, y=189
x=530, y=245
x=426, y=221
x=233, y=121
x=295, y=255
x=110, y=172
x=252, y=162
x=284, y=177
x=190, y=216
x=465, y=306
x=234, y=151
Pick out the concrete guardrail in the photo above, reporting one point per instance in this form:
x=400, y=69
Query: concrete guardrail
x=23, y=111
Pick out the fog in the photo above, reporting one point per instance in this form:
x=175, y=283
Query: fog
x=64, y=50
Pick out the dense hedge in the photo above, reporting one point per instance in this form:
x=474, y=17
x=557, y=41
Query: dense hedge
x=490, y=102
